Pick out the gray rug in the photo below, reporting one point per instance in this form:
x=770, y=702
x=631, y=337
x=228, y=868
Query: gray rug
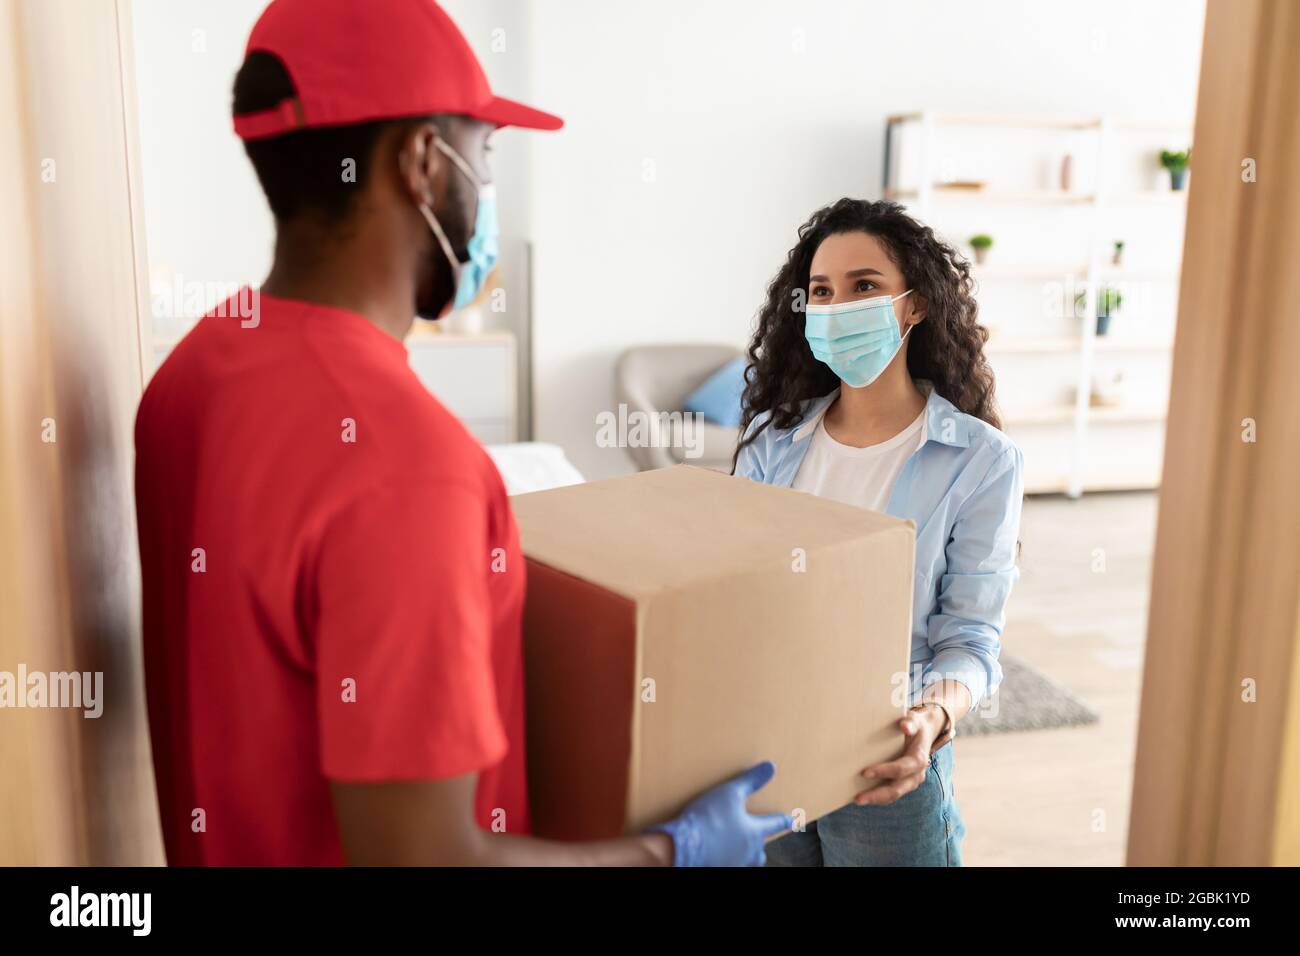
x=1027, y=700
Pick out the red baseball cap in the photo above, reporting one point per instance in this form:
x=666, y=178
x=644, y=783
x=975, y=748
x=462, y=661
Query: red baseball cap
x=357, y=61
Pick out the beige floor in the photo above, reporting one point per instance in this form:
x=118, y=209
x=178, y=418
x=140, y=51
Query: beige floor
x=1078, y=614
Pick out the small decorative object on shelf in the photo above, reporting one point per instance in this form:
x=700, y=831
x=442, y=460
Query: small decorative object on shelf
x=1116, y=257
x=1109, y=300
x=1176, y=161
x=1067, y=172
x=980, y=245
x=1107, y=391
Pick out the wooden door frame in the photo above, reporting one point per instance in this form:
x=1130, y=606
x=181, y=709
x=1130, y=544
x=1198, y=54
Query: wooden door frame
x=74, y=294
x=1217, y=778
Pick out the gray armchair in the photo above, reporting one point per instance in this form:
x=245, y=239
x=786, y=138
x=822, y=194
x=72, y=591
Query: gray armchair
x=654, y=379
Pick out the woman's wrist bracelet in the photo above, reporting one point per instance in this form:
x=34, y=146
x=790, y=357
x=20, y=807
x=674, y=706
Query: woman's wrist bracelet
x=949, y=725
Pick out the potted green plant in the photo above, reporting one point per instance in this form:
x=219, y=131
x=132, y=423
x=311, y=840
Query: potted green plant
x=1117, y=257
x=981, y=244
x=1176, y=161
x=1109, y=300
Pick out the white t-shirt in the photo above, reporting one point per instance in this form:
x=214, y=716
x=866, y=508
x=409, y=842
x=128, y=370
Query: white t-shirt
x=857, y=476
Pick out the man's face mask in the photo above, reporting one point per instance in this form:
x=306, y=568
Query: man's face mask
x=482, y=248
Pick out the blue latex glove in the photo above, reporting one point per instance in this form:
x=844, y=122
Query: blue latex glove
x=715, y=829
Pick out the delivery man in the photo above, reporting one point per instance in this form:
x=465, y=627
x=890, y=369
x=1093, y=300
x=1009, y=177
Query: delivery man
x=332, y=576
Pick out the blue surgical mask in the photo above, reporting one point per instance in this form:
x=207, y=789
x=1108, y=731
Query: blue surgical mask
x=483, y=246
x=856, y=340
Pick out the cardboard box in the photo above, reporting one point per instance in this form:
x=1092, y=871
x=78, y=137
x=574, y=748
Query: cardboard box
x=682, y=625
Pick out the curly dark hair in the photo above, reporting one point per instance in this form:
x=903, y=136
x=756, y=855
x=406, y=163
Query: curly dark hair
x=947, y=349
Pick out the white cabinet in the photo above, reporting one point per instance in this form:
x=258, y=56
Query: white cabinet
x=473, y=375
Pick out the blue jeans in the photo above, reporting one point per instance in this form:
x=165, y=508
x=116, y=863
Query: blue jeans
x=922, y=828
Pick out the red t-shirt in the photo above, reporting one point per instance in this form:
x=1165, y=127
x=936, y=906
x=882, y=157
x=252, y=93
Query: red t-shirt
x=332, y=583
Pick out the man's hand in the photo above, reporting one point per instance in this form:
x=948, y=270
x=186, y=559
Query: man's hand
x=715, y=829
x=431, y=823
x=903, y=775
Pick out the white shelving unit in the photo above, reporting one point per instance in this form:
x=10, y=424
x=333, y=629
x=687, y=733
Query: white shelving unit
x=1056, y=234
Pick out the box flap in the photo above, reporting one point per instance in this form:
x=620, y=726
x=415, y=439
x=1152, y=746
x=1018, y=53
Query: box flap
x=669, y=528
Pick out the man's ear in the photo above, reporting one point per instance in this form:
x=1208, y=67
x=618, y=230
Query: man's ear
x=420, y=163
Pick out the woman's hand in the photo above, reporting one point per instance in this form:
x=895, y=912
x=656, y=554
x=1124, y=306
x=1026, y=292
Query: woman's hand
x=903, y=775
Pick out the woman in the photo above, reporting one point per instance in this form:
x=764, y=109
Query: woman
x=868, y=384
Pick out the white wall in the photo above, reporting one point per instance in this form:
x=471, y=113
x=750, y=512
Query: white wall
x=753, y=113
x=205, y=217
x=749, y=113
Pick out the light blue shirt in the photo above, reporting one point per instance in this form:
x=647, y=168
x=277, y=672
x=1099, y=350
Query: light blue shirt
x=963, y=488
